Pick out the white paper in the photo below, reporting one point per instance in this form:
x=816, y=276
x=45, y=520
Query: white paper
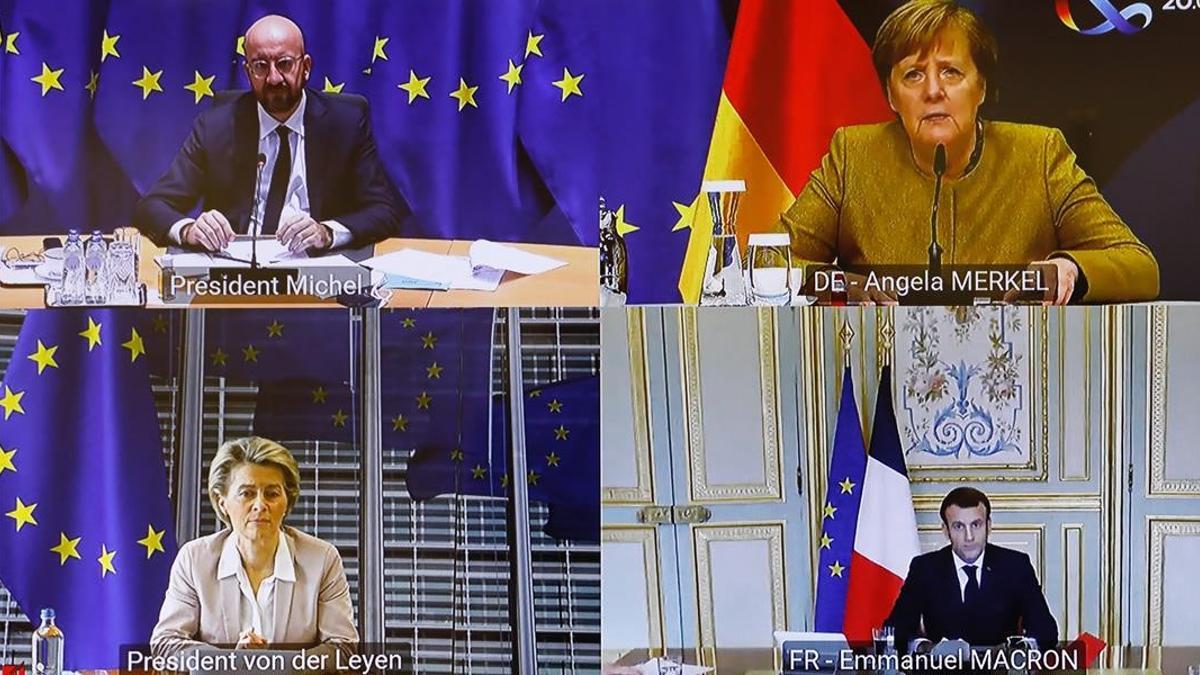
x=486, y=253
x=270, y=251
x=654, y=667
x=455, y=271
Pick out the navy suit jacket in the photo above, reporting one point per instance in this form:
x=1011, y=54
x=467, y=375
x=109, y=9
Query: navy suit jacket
x=217, y=164
x=1010, y=602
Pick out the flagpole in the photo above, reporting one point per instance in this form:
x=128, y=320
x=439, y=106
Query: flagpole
x=191, y=429
x=370, y=531
x=522, y=560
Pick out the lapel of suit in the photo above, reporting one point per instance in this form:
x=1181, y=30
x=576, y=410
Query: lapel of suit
x=283, y=595
x=231, y=599
x=987, y=577
x=952, y=588
x=245, y=159
x=316, y=134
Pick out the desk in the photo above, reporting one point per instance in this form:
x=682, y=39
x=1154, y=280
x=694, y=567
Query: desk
x=576, y=284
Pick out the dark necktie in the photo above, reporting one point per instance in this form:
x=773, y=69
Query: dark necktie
x=279, y=182
x=971, y=592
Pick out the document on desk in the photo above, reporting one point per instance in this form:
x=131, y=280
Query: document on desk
x=270, y=253
x=448, y=271
x=482, y=270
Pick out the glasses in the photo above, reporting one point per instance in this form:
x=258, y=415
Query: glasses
x=285, y=65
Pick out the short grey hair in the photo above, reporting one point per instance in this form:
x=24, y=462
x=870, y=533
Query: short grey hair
x=252, y=450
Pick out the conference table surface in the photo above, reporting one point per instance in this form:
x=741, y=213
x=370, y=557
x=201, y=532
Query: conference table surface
x=575, y=284
x=760, y=661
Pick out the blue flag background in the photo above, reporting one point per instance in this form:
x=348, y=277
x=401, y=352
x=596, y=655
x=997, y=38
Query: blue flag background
x=119, y=83
x=88, y=527
x=839, y=519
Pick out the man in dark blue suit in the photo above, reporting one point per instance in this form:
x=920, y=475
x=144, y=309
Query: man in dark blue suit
x=970, y=590
x=320, y=181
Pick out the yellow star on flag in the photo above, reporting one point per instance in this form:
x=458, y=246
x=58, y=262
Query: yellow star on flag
x=44, y=357
x=92, y=333
x=319, y=395
x=152, y=541
x=552, y=459
x=160, y=323
x=836, y=569
x=554, y=406
x=829, y=510
x=339, y=418
x=533, y=478
x=408, y=322
x=135, y=346
x=435, y=371
x=423, y=401
x=560, y=434
x=241, y=45
x=249, y=353
x=201, y=86
x=219, y=356
x=847, y=486
x=6, y=460
x=513, y=76
x=378, y=52
x=275, y=329
x=504, y=481
x=570, y=84
x=105, y=560
x=535, y=393
x=478, y=472
x=399, y=423
x=23, y=514
x=10, y=43
x=456, y=455
x=415, y=87
x=108, y=46
x=148, y=82
x=687, y=212
x=11, y=402
x=533, y=44
x=92, y=85
x=66, y=548
x=464, y=95
x=428, y=340
x=623, y=227
x=48, y=79
x=331, y=88
x=826, y=540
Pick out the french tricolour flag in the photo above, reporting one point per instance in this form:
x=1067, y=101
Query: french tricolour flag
x=885, y=540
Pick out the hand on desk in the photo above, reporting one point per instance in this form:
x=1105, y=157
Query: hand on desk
x=211, y=232
x=248, y=639
x=299, y=232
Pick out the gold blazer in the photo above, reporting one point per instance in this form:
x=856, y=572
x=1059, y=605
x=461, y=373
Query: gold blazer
x=1026, y=199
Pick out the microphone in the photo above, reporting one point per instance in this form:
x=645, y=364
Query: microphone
x=262, y=162
x=935, y=249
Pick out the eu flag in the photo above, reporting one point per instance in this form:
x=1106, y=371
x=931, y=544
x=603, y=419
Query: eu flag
x=839, y=513
x=619, y=102
x=87, y=527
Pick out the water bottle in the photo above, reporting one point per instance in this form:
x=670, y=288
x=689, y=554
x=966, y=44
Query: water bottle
x=72, y=276
x=95, y=262
x=48, y=646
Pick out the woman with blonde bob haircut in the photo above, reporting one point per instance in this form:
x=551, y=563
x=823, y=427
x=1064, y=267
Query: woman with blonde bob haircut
x=257, y=583
x=1012, y=194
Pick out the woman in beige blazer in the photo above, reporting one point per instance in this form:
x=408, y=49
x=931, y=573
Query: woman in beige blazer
x=256, y=583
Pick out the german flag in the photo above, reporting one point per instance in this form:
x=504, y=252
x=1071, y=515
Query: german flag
x=797, y=71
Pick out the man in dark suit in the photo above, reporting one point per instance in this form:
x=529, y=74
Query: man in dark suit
x=970, y=590
x=320, y=181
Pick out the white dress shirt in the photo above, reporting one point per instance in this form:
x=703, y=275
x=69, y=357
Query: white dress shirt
x=296, y=196
x=962, y=574
x=257, y=611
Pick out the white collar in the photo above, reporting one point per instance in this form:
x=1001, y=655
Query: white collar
x=959, y=562
x=230, y=563
x=268, y=124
